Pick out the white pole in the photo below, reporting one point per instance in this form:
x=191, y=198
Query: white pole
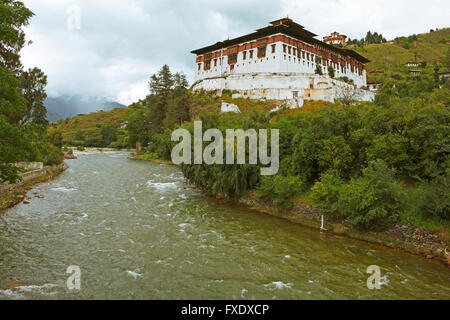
x=321, y=227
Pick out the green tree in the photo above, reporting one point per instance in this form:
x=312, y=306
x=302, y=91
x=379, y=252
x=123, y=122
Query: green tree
x=14, y=137
x=331, y=72
x=13, y=17
x=109, y=133
x=318, y=70
x=33, y=86
x=177, y=107
x=137, y=128
x=162, y=85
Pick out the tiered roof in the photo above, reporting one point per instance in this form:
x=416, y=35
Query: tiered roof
x=285, y=26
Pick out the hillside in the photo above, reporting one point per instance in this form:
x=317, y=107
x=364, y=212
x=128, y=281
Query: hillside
x=86, y=130
x=68, y=106
x=432, y=48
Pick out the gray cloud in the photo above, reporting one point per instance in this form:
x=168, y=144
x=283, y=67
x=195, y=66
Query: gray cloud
x=121, y=43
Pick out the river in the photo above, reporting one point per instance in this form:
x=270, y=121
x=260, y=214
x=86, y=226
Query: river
x=137, y=231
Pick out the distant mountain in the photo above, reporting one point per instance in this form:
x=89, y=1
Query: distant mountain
x=53, y=117
x=67, y=106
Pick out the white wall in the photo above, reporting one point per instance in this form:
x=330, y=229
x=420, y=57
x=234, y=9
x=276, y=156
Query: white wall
x=282, y=86
x=278, y=62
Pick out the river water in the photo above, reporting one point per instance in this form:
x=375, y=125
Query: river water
x=137, y=231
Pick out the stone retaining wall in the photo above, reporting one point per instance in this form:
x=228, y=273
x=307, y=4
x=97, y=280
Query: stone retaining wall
x=28, y=176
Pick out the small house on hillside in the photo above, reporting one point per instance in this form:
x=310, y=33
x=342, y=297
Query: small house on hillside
x=376, y=72
x=123, y=125
x=444, y=74
x=415, y=72
x=412, y=64
x=373, y=86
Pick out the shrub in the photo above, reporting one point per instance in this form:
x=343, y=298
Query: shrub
x=161, y=144
x=318, y=70
x=331, y=72
x=370, y=202
x=326, y=194
x=44, y=151
x=53, y=155
x=433, y=198
x=374, y=200
x=280, y=190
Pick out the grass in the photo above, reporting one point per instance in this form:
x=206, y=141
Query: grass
x=151, y=157
x=390, y=57
x=90, y=124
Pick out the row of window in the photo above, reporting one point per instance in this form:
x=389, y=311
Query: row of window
x=233, y=57
x=307, y=64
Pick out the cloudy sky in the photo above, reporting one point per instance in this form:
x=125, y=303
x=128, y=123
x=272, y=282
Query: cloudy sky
x=115, y=45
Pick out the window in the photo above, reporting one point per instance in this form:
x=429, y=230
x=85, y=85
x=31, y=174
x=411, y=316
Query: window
x=273, y=48
x=251, y=54
x=261, y=52
x=244, y=55
x=232, y=55
x=289, y=50
x=207, y=65
x=199, y=65
x=232, y=59
x=215, y=62
x=284, y=48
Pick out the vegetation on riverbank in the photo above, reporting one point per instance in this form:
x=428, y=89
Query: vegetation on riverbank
x=150, y=157
x=17, y=191
x=23, y=136
x=104, y=129
x=370, y=165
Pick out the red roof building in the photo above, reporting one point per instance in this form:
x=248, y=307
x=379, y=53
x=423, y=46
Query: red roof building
x=336, y=38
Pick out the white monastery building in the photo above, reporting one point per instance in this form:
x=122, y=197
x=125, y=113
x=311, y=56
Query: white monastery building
x=279, y=62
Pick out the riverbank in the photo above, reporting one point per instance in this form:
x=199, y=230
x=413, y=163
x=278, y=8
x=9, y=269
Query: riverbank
x=13, y=194
x=431, y=245
x=148, y=157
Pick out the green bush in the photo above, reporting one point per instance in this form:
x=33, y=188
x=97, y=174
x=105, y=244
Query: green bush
x=161, y=144
x=374, y=200
x=326, y=195
x=433, y=198
x=53, y=155
x=280, y=190
x=45, y=152
x=370, y=202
